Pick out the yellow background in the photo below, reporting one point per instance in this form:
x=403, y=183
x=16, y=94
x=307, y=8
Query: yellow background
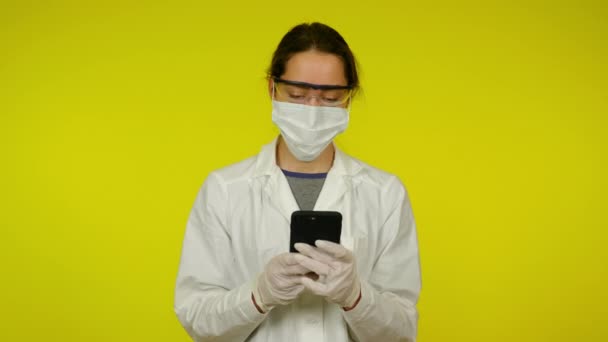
x=493, y=113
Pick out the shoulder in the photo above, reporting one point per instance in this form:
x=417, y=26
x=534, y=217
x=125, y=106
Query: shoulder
x=234, y=172
x=247, y=169
x=365, y=173
x=221, y=183
x=387, y=185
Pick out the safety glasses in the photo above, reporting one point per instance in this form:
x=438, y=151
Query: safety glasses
x=302, y=92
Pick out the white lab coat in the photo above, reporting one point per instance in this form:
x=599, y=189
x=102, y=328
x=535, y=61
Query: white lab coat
x=240, y=220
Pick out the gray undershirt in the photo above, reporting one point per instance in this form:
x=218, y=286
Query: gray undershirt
x=305, y=187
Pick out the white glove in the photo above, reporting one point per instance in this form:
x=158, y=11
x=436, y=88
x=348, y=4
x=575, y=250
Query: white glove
x=338, y=280
x=280, y=283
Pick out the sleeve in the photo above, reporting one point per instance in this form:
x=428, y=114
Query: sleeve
x=387, y=309
x=207, y=305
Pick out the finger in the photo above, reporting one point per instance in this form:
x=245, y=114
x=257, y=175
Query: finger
x=295, y=270
x=289, y=281
x=288, y=259
x=313, y=253
x=334, y=249
x=313, y=265
x=314, y=286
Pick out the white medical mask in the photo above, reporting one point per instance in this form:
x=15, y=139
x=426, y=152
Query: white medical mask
x=307, y=130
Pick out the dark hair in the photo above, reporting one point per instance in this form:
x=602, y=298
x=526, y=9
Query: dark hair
x=314, y=36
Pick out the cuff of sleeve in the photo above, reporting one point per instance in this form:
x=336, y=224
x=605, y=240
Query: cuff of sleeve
x=356, y=298
x=366, y=302
x=258, y=297
x=247, y=307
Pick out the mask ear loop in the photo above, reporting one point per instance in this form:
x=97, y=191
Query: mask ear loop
x=273, y=86
x=350, y=102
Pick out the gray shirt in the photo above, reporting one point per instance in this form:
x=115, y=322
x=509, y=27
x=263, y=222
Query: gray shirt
x=305, y=187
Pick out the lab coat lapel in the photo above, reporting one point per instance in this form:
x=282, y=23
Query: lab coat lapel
x=333, y=189
x=280, y=195
x=336, y=185
x=275, y=187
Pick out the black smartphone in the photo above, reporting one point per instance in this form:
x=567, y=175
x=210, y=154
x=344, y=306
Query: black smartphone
x=309, y=226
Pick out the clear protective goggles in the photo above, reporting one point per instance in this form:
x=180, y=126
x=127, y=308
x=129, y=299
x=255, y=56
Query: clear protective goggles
x=302, y=92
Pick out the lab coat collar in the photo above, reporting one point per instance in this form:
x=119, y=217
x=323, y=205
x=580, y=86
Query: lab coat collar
x=266, y=164
x=276, y=187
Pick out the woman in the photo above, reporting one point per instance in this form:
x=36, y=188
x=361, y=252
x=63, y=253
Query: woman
x=237, y=281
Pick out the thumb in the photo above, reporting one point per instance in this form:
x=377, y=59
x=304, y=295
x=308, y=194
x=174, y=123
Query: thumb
x=314, y=286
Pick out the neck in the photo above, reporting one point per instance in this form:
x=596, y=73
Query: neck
x=286, y=160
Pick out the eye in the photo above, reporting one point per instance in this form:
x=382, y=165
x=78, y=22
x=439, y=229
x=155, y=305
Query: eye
x=331, y=99
x=296, y=95
x=333, y=95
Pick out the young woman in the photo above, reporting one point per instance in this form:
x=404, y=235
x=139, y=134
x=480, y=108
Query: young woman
x=238, y=282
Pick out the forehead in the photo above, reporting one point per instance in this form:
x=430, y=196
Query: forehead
x=315, y=67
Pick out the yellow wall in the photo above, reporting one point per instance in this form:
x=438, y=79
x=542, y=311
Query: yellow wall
x=494, y=114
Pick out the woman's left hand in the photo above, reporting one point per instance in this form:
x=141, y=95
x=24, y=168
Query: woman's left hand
x=338, y=280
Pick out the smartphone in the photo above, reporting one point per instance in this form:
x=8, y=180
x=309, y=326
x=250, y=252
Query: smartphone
x=309, y=226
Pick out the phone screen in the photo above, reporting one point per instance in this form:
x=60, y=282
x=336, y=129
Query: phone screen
x=309, y=226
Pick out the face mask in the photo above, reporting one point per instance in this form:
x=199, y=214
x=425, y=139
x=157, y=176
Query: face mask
x=307, y=130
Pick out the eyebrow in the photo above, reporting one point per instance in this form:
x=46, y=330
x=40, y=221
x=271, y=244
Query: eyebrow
x=311, y=85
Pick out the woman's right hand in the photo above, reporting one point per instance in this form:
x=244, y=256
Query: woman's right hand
x=280, y=283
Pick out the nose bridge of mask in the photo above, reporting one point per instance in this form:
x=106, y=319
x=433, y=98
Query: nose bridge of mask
x=314, y=117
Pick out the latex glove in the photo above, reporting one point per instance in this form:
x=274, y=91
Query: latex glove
x=338, y=280
x=280, y=282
